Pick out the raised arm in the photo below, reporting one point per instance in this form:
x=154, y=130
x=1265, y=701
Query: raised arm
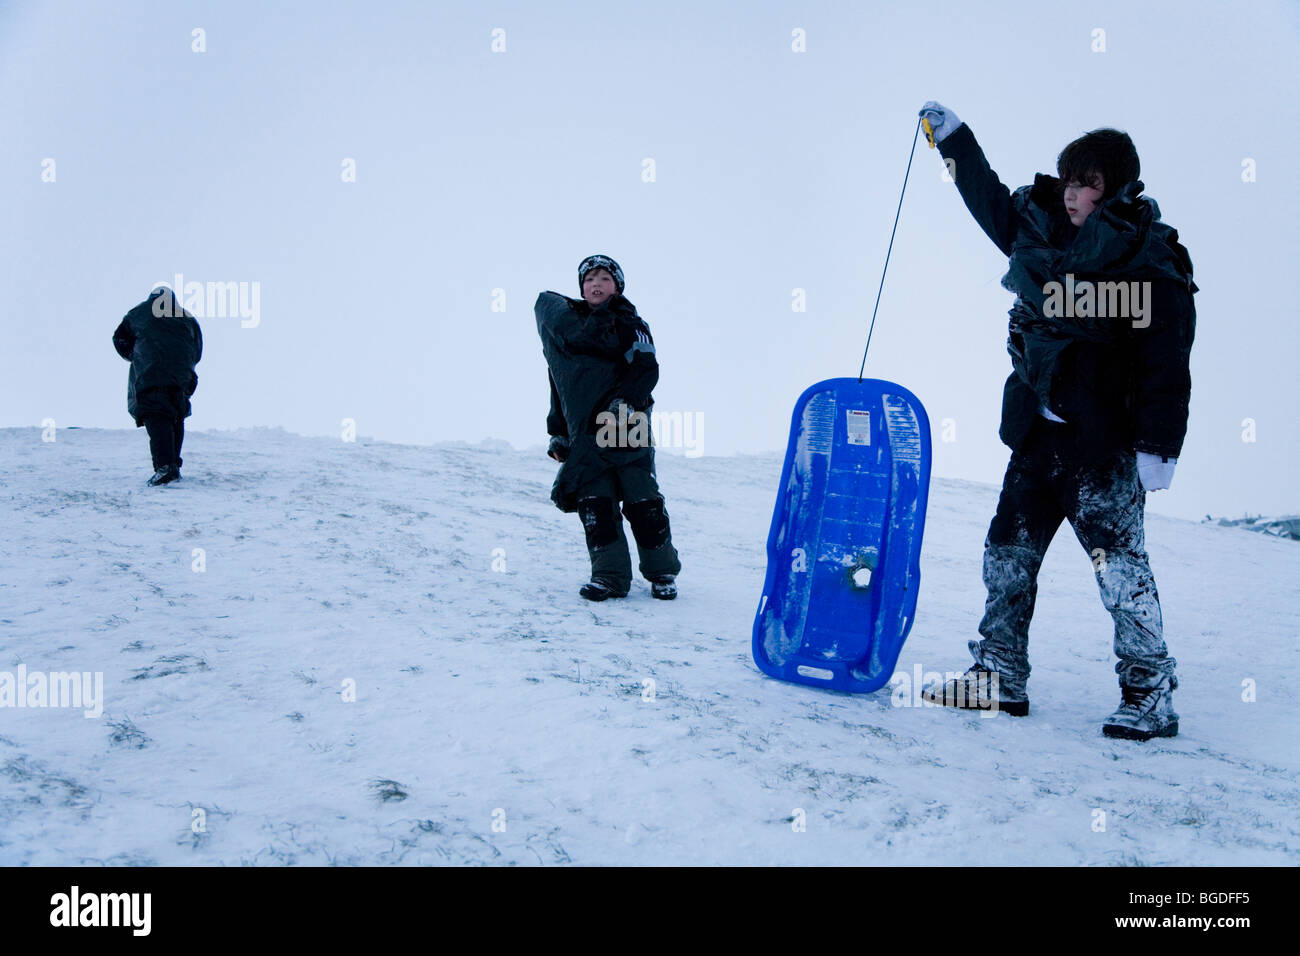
x=988, y=200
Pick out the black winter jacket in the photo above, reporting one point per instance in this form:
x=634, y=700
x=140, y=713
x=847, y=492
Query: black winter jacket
x=593, y=356
x=1121, y=385
x=163, y=349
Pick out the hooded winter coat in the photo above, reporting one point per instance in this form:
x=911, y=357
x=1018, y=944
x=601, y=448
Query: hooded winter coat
x=163, y=343
x=594, y=356
x=1124, y=383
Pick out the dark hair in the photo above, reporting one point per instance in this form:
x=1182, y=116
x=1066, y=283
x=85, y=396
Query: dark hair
x=1108, y=153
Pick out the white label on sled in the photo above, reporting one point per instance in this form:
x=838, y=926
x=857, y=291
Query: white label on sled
x=820, y=673
x=859, y=426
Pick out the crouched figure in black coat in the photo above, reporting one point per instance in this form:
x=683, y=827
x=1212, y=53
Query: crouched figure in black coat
x=163, y=343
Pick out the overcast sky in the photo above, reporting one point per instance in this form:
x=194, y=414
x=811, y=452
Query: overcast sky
x=484, y=177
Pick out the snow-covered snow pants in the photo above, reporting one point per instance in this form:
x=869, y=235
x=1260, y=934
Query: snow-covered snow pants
x=644, y=509
x=1051, y=477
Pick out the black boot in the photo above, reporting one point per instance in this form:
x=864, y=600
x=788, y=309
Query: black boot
x=598, y=590
x=664, y=587
x=1144, y=712
x=165, y=474
x=977, y=689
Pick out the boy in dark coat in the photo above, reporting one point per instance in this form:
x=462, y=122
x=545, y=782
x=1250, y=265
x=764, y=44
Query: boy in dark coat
x=163, y=343
x=601, y=360
x=1094, y=412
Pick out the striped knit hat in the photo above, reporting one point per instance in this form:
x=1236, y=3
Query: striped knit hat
x=600, y=262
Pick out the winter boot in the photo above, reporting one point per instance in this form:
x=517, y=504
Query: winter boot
x=164, y=474
x=664, y=586
x=1144, y=712
x=599, y=589
x=977, y=689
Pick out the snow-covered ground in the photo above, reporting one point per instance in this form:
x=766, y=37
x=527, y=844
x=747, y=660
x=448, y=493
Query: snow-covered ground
x=498, y=718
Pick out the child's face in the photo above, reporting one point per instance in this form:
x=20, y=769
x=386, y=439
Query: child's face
x=1081, y=200
x=597, y=286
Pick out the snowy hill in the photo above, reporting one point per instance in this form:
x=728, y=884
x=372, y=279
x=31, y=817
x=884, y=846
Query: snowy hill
x=632, y=732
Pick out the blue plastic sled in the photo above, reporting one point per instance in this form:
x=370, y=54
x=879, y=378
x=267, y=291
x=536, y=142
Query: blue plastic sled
x=843, y=555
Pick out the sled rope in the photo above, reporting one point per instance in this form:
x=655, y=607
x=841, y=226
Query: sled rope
x=915, y=133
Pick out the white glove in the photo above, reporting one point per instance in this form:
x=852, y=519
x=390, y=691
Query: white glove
x=1155, y=471
x=942, y=120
